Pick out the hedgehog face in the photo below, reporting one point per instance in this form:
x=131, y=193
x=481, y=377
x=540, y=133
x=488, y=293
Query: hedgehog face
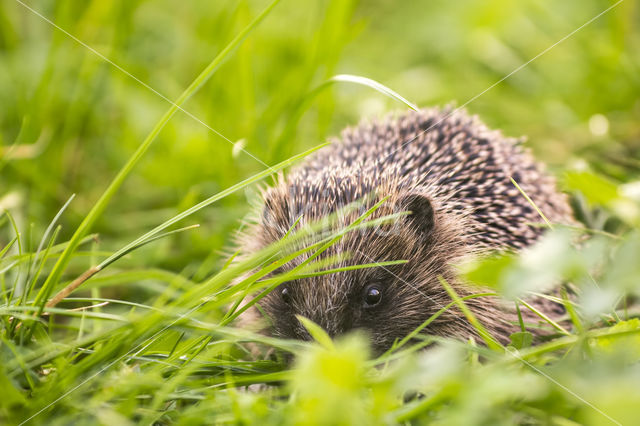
x=387, y=302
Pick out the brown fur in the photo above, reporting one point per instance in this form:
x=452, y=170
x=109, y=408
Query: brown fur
x=452, y=173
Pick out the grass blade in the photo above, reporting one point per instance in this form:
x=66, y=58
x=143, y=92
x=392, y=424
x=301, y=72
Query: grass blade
x=347, y=78
x=484, y=334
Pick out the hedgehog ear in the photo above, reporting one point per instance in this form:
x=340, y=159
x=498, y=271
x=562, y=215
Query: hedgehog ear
x=421, y=214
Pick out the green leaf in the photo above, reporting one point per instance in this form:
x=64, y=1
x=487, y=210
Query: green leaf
x=488, y=271
x=629, y=344
x=596, y=189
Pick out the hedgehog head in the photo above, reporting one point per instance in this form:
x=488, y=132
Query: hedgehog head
x=387, y=302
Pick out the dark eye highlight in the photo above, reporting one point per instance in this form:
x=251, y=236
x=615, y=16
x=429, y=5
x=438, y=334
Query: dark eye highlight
x=286, y=295
x=372, y=296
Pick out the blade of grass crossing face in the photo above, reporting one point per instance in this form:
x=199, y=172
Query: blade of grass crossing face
x=293, y=272
x=351, y=268
x=226, y=276
x=345, y=230
x=520, y=320
x=245, y=286
x=313, y=267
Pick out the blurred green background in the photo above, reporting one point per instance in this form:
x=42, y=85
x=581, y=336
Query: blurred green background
x=69, y=120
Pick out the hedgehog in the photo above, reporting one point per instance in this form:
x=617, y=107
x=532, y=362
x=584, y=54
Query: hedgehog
x=452, y=176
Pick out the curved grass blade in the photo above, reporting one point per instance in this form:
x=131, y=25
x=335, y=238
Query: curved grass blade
x=304, y=103
x=321, y=246
x=364, y=81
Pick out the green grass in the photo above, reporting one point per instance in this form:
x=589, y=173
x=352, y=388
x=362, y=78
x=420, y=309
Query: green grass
x=147, y=334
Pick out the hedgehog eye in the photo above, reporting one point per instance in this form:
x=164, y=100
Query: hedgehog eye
x=372, y=296
x=286, y=295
